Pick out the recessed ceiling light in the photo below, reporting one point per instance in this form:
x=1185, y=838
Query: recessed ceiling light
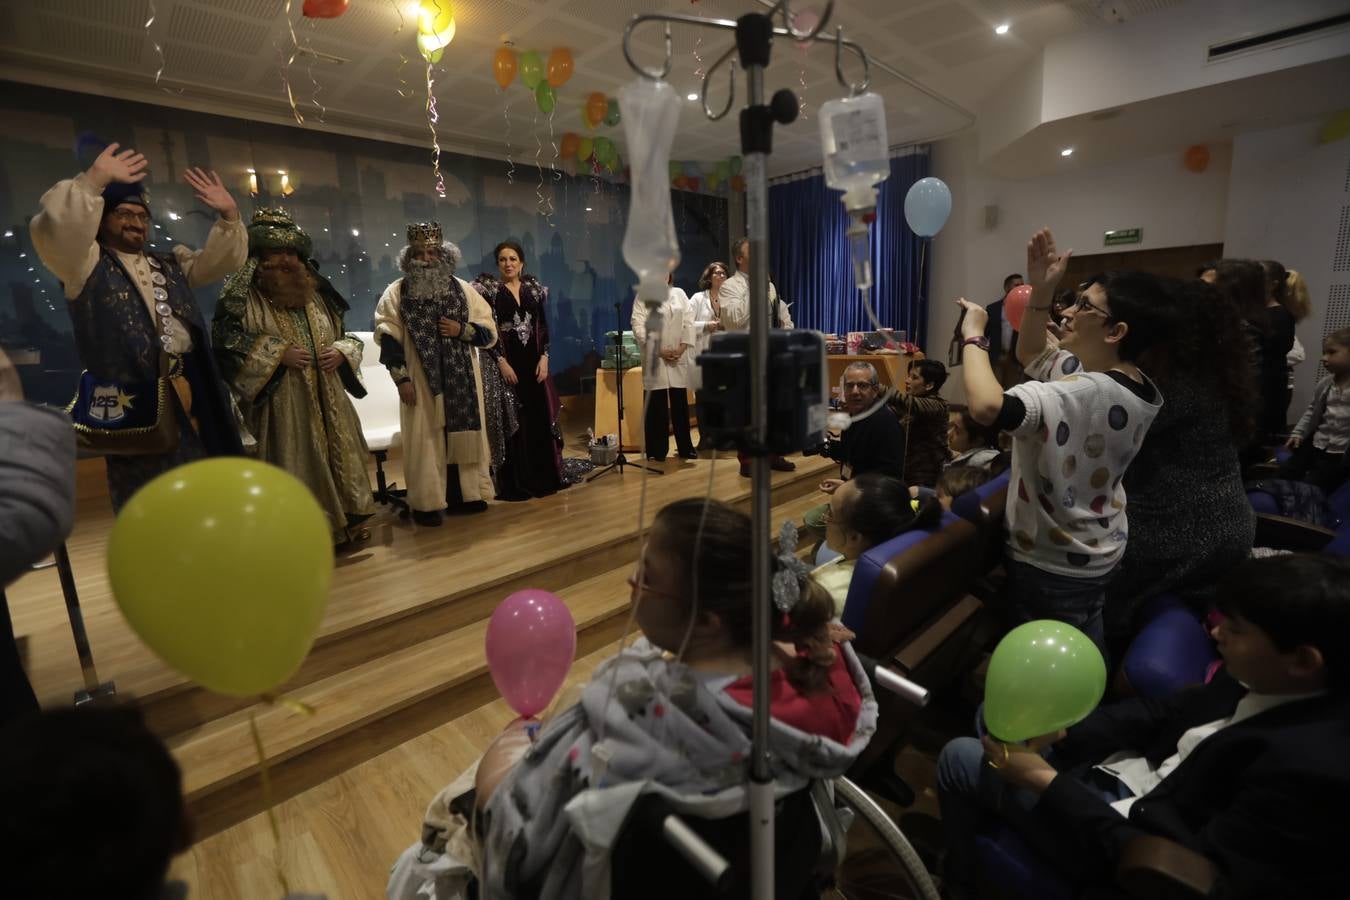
x=1002, y=29
x=356, y=232
x=588, y=209
x=691, y=96
x=1067, y=151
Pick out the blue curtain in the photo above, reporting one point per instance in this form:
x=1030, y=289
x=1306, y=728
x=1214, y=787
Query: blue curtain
x=809, y=256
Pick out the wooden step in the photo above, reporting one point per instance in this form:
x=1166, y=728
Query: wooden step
x=374, y=704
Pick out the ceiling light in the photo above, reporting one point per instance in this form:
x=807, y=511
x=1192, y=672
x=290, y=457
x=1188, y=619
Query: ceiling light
x=9, y=233
x=1002, y=29
x=356, y=232
x=173, y=216
x=588, y=209
x=252, y=172
x=1067, y=151
x=691, y=96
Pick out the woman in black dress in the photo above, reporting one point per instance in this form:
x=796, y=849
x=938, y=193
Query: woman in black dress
x=532, y=456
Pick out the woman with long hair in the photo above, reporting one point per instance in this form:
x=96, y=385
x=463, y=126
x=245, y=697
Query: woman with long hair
x=1188, y=511
x=1287, y=288
x=533, y=466
x=707, y=319
x=1270, y=335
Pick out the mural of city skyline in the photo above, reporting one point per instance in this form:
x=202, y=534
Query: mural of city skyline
x=354, y=196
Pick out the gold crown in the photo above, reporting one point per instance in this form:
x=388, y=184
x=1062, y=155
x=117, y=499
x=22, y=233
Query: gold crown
x=424, y=234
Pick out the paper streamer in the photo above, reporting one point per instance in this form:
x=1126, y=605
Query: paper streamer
x=314, y=98
x=432, y=118
x=404, y=89
x=553, y=169
x=538, y=152
x=286, y=68
x=801, y=96
x=510, y=164
x=159, y=51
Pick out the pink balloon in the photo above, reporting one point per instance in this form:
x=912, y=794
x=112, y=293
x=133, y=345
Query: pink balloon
x=1015, y=304
x=531, y=643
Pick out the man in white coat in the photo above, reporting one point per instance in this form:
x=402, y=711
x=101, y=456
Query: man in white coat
x=665, y=373
x=429, y=325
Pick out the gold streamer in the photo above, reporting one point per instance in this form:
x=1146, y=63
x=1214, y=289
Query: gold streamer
x=159, y=51
x=286, y=68
x=432, y=118
x=538, y=152
x=404, y=89
x=309, y=46
x=553, y=168
x=510, y=164
x=265, y=781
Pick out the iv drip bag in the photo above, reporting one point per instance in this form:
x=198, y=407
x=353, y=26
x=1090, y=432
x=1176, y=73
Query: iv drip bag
x=651, y=112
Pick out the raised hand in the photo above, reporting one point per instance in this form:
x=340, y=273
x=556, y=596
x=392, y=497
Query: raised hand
x=113, y=164
x=211, y=191
x=976, y=317
x=1045, y=266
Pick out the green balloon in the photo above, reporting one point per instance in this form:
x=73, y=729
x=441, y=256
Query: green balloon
x=612, y=117
x=531, y=69
x=676, y=168
x=735, y=165
x=604, y=147
x=1043, y=676
x=545, y=97
x=585, y=147
x=722, y=169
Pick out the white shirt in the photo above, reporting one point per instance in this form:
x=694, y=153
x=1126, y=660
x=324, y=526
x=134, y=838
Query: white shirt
x=704, y=319
x=1139, y=775
x=678, y=315
x=734, y=298
x=1333, y=434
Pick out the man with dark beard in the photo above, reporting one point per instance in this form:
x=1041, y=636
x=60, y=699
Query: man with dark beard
x=280, y=345
x=428, y=324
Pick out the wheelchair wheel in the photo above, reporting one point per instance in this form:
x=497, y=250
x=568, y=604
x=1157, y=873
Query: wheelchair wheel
x=879, y=861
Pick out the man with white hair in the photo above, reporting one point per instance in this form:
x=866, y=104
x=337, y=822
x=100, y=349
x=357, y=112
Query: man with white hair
x=428, y=324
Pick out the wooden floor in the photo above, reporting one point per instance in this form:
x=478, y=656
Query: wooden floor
x=399, y=653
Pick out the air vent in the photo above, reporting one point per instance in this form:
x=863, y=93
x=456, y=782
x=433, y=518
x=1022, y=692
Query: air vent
x=1341, y=261
x=1279, y=37
x=1338, y=317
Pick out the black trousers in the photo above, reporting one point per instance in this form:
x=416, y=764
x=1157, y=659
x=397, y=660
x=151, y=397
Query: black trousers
x=665, y=406
x=16, y=694
x=1326, y=470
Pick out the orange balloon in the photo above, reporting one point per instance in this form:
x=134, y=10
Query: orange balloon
x=504, y=66
x=1196, y=158
x=568, y=147
x=559, y=67
x=597, y=104
x=738, y=182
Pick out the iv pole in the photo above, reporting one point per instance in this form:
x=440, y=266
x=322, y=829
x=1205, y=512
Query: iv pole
x=754, y=35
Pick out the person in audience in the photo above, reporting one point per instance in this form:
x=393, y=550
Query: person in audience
x=533, y=465
x=1270, y=336
x=969, y=443
x=1063, y=300
x=1001, y=335
x=959, y=480
x=1189, y=520
x=37, y=511
x=91, y=233
x=1247, y=770
x=665, y=377
x=427, y=325
x=735, y=302
x=864, y=512
x=1287, y=288
x=673, y=711
x=1075, y=429
x=1322, y=434
x=280, y=344
x=707, y=304
x=923, y=416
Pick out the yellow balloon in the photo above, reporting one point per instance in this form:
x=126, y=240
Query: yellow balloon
x=222, y=567
x=434, y=16
x=431, y=45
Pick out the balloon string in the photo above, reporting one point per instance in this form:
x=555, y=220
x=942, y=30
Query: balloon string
x=159, y=50
x=538, y=152
x=286, y=69
x=265, y=782
x=553, y=169
x=801, y=98
x=404, y=89
x=309, y=45
x=432, y=118
x=510, y=165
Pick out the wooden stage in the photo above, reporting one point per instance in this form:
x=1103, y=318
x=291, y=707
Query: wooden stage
x=400, y=650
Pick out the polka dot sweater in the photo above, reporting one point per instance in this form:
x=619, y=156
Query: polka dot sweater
x=1076, y=434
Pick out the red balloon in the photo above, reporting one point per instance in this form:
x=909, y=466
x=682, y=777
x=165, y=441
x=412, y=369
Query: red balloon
x=691, y=182
x=325, y=9
x=1015, y=304
x=738, y=182
x=1196, y=158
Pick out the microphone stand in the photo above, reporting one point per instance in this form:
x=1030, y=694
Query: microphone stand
x=620, y=461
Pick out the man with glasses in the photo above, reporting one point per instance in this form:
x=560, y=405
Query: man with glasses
x=132, y=310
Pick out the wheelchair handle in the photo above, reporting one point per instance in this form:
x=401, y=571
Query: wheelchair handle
x=657, y=817
x=885, y=677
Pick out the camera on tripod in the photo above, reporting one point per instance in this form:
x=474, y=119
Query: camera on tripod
x=797, y=396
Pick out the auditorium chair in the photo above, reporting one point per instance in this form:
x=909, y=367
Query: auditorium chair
x=984, y=507
x=1285, y=533
x=378, y=412
x=1172, y=650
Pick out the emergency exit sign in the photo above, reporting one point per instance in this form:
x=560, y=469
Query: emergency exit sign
x=1123, y=236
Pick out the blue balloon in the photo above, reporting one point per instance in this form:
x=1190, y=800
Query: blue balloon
x=693, y=169
x=927, y=206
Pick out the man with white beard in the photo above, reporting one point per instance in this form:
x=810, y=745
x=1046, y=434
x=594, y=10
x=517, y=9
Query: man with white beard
x=428, y=324
x=279, y=341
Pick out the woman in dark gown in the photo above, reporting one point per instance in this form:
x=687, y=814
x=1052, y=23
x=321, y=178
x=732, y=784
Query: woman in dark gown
x=532, y=467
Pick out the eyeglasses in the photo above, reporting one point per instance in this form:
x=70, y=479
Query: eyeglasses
x=126, y=215
x=1083, y=304
x=859, y=385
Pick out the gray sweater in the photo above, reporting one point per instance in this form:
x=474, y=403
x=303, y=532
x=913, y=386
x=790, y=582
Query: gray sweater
x=37, y=484
x=1317, y=409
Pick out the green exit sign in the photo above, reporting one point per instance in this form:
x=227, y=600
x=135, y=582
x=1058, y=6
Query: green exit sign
x=1123, y=236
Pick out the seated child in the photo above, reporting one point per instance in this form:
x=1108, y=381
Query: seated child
x=864, y=512
x=959, y=480
x=1322, y=434
x=1247, y=770
x=673, y=712
x=923, y=415
x=1075, y=429
x=970, y=443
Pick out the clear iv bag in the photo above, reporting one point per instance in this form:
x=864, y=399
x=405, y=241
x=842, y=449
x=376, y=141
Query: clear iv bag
x=651, y=112
x=853, y=144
